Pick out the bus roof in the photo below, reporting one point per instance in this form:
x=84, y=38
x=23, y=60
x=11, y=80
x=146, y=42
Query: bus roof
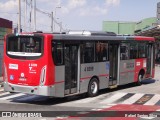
x=101, y=38
x=98, y=35
x=90, y=36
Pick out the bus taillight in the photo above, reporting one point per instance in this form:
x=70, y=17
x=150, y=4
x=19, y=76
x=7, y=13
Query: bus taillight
x=43, y=76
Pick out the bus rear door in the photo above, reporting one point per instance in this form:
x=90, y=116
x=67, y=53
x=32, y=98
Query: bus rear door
x=71, y=68
x=113, y=56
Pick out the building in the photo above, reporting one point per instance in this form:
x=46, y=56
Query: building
x=119, y=27
x=5, y=28
x=129, y=27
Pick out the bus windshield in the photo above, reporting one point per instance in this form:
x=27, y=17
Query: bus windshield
x=24, y=47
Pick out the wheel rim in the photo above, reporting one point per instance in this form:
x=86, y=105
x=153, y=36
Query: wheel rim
x=94, y=87
x=140, y=78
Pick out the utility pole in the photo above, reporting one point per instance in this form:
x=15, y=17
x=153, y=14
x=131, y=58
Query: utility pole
x=51, y=21
x=35, y=15
x=30, y=16
x=19, y=20
x=25, y=15
x=60, y=25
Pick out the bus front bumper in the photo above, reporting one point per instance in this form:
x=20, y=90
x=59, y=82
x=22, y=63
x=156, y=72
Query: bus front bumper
x=37, y=90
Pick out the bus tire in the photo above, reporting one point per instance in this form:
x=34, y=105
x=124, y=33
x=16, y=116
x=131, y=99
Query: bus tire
x=140, y=78
x=93, y=87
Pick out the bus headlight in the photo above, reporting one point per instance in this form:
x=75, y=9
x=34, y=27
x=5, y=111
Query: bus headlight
x=43, y=76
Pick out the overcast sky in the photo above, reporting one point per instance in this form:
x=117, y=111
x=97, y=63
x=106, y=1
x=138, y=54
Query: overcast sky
x=81, y=14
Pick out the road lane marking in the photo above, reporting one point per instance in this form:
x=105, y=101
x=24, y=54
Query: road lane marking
x=1, y=89
x=11, y=96
x=113, y=98
x=153, y=100
x=5, y=93
x=125, y=97
x=144, y=99
x=133, y=99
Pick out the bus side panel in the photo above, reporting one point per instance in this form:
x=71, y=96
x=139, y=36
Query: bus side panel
x=59, y=81
x=89, y=70
x=140, y=64
x=50, y=64
x=127, y=74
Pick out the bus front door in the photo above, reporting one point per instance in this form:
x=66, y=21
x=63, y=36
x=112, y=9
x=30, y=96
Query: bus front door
x=71, y=68
x=113, y=72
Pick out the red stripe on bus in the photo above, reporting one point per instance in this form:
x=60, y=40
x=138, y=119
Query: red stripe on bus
x=59, y=82
x=102, y=75
x=144, y=38
x=85, y=78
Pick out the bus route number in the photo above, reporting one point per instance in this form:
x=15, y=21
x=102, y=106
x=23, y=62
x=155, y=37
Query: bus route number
x=90, y=68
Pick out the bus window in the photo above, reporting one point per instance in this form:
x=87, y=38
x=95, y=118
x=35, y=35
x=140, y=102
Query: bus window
x=125, y=53
x=142, y=50
x=88, y=52
x=24, y=47
x=133, y=50
x=57, y=53
x=101, y=51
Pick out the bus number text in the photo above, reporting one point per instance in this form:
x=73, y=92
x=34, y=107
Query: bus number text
x=90, y=68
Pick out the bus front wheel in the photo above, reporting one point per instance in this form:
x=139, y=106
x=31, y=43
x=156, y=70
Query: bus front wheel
x=93, y=87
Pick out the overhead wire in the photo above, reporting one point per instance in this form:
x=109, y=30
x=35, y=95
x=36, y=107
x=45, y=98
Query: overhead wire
x=46, y=13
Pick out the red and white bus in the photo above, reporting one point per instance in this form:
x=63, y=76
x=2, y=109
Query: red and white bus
x=72, y=63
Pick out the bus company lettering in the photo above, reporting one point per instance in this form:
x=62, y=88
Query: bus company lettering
x=32, y=67
x=13, y=66
x=90, y=68
x=138, y=63
x=22, y=77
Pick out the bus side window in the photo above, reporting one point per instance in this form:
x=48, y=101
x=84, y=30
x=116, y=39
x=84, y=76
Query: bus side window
x=57, y=53
x=101, y=50
x=141, y=50
x=133, y=50
x=124, y=50
x=88, y=52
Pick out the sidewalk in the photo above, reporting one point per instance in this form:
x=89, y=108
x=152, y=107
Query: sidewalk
x=157, y=72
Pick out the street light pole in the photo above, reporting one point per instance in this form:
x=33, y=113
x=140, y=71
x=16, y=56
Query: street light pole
x=19, y=20
x=30, y=21
x=60, y=26
x=51, y=21
x=35, y=15
x=25, y=15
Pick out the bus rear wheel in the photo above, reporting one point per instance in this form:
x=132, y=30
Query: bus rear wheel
x=93, y=87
